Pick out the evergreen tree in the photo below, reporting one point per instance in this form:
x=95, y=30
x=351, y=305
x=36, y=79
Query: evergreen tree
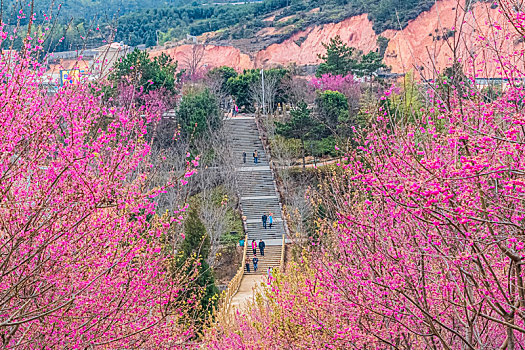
x=222, y=74
x=341, y=59
x=239, y=88
x=333, y=110
x=139, y=70
x=198, y=112
x=369, y=64
x=338, y=60
x=195, y=248
x=300, y=126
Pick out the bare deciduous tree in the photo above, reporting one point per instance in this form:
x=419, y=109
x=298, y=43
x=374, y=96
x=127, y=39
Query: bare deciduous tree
x=193, y=60
x=264, y=96
x=298, y=89
x=218, y=171
x=216, y=86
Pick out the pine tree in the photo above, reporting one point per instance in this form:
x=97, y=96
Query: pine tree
x=195, y=248
x=301, y=126
x=338, y=60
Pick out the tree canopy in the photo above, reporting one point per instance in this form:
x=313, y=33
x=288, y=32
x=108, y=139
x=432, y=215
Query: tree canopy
x=141, y=71
x=83, y=256
x=301, y=125
x=333, y=110
x=195, y=249
x=198, y=112
x=341, y=59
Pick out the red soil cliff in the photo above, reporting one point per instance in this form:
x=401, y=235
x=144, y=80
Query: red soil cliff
x=419, y=46
x=357, y=31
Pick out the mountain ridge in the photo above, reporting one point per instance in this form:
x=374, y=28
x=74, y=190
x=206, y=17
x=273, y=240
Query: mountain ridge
x=153, y=22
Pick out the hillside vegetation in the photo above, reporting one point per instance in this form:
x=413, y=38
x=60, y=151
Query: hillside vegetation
x=89, y=22
x=87, y=9
x=244, y=21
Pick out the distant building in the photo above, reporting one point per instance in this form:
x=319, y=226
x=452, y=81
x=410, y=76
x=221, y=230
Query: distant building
x=106, y=57
x=500, y=82
x=383, y=74
x=191, y=38
x=92, y=64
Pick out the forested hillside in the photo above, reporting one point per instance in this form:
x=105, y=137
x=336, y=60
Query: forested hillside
x=88, y=9
x=75, y=23
x=89, y=22
x=242, y=21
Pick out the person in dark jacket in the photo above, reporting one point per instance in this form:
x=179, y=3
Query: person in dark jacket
x=255, y=262
x=247, y=264
x=262, y=245
x=264, y=218
x=255, y=156
x=244, y=157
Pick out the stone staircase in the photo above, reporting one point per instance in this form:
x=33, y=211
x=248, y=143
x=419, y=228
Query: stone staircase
x=271, y=258
x=245, y=138
x=259, y=183
x=257, y=191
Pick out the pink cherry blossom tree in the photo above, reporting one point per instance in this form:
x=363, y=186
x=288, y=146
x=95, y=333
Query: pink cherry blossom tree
x=423, y=243
x=347, y=85
x=83, y=259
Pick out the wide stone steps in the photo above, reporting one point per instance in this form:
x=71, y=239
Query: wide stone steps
x=271, y=258
x=237, y=156
x=257, y=224
x=255, y=183
x=244, y=137
x=277, y=226
x=274, y=233
x=249, y=163
x=239, y=148
x=258, y=196
x=257, y=176
x=253, y=209
x=256, y=190
x=249, y=155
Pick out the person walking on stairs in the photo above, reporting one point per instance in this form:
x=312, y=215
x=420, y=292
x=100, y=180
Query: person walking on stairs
x=254, y=247
x=255, y=156
x=262, y=245
x=244, y=157
x=270, y=220
x=247, y=264
x=235, y=109
x=255, y=262
x=264, y=219
x=230, y=106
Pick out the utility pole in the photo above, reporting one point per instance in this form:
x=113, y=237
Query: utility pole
x=262, y=81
